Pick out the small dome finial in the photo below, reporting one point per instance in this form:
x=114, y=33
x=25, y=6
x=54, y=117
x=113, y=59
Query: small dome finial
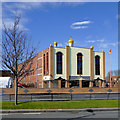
x=50, y=45
x=71, y=41
x=91, y=47
x=55, y=44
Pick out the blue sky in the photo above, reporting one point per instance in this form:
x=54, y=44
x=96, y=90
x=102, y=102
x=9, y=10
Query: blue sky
x=89, y=24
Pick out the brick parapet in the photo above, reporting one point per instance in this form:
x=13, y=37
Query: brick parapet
x=57, y=90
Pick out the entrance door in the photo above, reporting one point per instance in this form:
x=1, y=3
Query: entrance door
x=74, y=84
x=85, y=83
x=62, y=83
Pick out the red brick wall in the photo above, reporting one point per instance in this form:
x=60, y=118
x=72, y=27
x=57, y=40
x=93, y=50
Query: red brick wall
x=45, y=52
x=117, y=78
x=115, y=83
x=62, y=90
x=36, y=75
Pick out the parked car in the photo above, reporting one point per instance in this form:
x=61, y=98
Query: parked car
x=23, y=86
x=20, y=86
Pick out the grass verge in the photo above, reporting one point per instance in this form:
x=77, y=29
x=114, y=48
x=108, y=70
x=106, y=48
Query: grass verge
x=60, y=104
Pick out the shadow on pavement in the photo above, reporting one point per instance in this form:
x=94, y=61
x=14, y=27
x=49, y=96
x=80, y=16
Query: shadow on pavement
x=88, y=110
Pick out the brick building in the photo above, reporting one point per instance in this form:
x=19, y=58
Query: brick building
x=5, y=73
x=115, y=81
x=71, y=66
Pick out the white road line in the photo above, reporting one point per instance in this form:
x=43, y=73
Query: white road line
x=4, y=114
x=31, y=113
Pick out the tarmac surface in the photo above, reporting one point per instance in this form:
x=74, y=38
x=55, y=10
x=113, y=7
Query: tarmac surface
x=60, y=114
x=70, y=115
x=57, y=110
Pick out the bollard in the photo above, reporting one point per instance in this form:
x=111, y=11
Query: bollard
x=51, y=97
x=31, y=97
x=108, y=96
x=90, y=96
x=10, y=97
x=71, y=96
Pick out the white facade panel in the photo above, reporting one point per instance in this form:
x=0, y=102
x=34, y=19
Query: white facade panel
x=63, y=75
x=85, y=61
x=101, y=65
x=73, y=51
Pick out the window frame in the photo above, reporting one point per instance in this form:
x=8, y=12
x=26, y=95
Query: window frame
x=44, y=63
x=59, y=64
x=97, y=65
x=79, y=63
x=47, y=63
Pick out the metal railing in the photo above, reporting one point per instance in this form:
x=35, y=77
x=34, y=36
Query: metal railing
x=58, y=97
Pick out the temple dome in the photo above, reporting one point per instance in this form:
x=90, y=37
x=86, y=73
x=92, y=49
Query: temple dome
x=55, y=43
x=71, y=41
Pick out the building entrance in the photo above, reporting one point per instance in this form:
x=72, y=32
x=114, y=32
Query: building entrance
x=74, y=83
x=85, y=83
x=62, y=83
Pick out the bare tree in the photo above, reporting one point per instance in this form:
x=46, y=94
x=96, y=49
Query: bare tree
x=108, y=76
x=16, y=49
x=116, y=72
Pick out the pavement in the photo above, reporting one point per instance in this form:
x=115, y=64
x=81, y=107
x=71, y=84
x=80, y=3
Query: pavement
x=57, y=110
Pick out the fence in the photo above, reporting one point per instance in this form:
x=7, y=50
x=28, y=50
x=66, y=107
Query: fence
x=63, y=97
x=31, y=94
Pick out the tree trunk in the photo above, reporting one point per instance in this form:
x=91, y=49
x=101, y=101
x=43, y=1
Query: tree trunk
x=16, y=90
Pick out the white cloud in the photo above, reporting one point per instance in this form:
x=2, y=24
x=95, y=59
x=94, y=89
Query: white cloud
x=94, y=41
x=17, y=9
x=80, y=25
x=103, y=45
x=102, y=40
x=106, y=45
x=60, y=45
x=91, y=41
x=9, y=22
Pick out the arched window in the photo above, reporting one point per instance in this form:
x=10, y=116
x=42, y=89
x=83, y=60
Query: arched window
x=79, y=63
x=97, y=65
x=44, y=63
x=59, y=63
x=47, y=72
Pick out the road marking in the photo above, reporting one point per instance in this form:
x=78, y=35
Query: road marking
x=31, y=113
x=4, y=114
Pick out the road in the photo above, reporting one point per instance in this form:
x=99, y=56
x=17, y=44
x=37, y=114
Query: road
x=66, y=115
